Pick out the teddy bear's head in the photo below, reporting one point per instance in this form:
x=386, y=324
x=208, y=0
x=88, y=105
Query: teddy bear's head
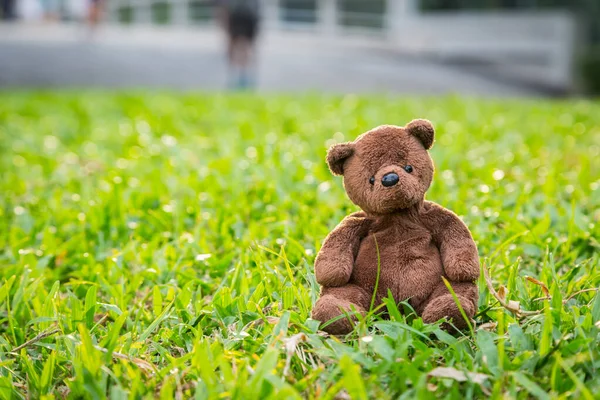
x=387, y=168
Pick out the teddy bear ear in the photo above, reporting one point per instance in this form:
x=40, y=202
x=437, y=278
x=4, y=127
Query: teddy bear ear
x=337, y=155
x=422, y=129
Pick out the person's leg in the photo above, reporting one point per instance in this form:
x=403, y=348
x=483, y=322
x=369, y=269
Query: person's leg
x=250, y=51
x=244, y=62
x=233, y=64
x=5, y=9
x=243, y=31
x=94, y=14
x=230, y=50
x=239, y=59
x=234, y=34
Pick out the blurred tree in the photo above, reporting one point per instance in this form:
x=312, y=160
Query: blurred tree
x=299, y=11
x=161, y=12
x=201, y=11
x=125, y=14
x=362, y=13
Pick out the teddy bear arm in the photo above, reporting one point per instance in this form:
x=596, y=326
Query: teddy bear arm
x=460, y=259
x=457, y=247
x=335, y=260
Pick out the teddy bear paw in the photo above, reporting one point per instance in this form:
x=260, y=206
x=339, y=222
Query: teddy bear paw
x=330, y=308
x=445, y=307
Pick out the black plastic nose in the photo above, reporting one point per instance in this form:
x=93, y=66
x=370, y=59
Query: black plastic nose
x=390, y=179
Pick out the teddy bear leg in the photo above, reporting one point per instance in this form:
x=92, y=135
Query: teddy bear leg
x=441, y=304
x=336, y=301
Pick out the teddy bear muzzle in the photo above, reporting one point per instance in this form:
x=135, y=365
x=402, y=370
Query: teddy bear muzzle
x=390, y=179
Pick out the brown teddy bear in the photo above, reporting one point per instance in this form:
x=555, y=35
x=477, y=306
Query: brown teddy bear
x=387, y=171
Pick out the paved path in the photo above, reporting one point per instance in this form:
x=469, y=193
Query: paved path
x=193, y=59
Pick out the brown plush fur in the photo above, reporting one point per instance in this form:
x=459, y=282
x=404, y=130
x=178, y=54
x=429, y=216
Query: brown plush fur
x=419, y=241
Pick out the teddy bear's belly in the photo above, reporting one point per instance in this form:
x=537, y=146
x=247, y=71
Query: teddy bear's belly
x=410, y=268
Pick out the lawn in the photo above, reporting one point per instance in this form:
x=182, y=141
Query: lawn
x=162, y=245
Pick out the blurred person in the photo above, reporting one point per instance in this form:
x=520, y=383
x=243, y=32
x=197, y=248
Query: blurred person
x=94, y=15
x=46, y=9
x=7, y=9
x=50, y=10
x=240, y=19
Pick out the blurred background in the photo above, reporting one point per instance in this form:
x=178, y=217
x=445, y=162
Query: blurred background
x=508, y=48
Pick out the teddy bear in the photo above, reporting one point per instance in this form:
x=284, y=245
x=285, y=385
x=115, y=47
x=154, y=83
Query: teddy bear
x=399, y=242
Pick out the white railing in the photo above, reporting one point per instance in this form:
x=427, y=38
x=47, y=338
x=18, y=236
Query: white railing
x=326, y=15
x=535, y=46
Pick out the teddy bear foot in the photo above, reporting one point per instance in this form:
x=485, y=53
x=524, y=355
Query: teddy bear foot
x=329, y=307
x=445, y=307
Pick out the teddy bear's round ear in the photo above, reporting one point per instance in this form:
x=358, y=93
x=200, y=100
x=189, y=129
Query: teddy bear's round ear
x=337, y=155
x=422, y=129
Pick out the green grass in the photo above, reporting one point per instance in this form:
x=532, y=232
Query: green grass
x=164, y=244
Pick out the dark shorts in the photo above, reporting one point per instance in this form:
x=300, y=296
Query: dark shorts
x=243, y=25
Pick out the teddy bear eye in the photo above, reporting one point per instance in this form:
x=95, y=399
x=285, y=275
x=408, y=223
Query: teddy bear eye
x=372, y=180
x=408, y=168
